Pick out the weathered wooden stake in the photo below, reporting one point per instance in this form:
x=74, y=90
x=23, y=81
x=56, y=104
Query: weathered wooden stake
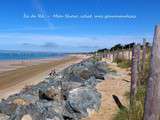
x=139, y=57
x=129, y=53
x=134, y=75
x=144, y=55
x=113, y=52
x=117, y=55
x=118, y=102
x=123, y=54
x=152, y=101
x=106, y=56
x=109, y=55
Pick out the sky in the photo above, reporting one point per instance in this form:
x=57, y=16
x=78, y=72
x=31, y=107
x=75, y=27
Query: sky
x=75, y=25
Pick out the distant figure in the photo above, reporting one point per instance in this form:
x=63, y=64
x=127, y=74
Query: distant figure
x=52, y=73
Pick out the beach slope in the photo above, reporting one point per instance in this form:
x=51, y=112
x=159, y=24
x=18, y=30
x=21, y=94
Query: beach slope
x=13, y=81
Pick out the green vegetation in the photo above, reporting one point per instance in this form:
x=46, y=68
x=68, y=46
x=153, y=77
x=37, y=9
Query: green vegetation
x=136, y=111
x=123, y=63
x=122, y=115
x=95, y=59
x=119, y=47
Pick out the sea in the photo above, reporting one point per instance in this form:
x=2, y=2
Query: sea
x=27, y=55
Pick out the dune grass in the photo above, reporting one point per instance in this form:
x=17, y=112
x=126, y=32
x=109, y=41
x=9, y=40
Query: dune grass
x=123, y=63
x=136, y=111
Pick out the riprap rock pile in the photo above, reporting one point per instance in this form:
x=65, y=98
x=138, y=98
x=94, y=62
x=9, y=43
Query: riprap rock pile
x=70, y=95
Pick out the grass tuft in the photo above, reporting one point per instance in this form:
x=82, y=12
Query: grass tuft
x=123, y=63
x=136, y=111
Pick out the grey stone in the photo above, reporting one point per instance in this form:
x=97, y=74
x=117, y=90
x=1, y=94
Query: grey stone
x=84, y=99
x=4, y=117
x=69, y=96
x=91, y=82
x=7, y=108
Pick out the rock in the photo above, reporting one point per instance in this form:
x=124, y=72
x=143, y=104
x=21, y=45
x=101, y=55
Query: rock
x=7, y=108
x=85, y=74
x=92, y=82
x=20, y=101
x=4, y=117
x=71, y=77
x=51, y=94
x=83, y=99
x=46, y=96
x=69, y=96
x=99, y=76
x=35, y=89
x=85, y=70
x=67, y=86
x=35, y=112
x=101, y=67
x=51, y=108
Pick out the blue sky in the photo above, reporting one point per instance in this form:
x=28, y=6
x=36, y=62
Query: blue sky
x=75, y=34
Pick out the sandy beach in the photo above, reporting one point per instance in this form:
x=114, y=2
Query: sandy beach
x=15, y=75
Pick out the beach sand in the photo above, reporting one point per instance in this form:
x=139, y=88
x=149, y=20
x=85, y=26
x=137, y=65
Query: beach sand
x=15, y=75
x=113, y=85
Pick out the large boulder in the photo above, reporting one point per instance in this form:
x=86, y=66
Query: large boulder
x=7, y=108
x=68, y=86
x=84, y=70
x=35, y=112
x=83, y=100
x=21, y=99
x=91, y=82
x=51, y=93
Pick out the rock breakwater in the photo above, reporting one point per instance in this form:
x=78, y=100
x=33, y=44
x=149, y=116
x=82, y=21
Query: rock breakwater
x=70, y=95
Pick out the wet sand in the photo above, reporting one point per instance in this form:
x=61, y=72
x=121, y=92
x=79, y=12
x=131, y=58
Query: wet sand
x=31, y=72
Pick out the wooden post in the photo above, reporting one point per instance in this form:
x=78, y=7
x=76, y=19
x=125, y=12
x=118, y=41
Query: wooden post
x=123, y=56
x=134, y=75
x=152, y=101
x=144, y=55
x=113, y=55
x=139, y=56
x=129, y=53
x=106, y=55
x=118, y=102
x=109, y=53
x=117, y=55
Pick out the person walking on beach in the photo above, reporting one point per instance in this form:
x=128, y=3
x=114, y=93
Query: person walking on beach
x=52, y=73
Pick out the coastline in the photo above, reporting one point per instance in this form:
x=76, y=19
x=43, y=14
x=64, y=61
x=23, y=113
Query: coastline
x=7, y=65
x=32, y=72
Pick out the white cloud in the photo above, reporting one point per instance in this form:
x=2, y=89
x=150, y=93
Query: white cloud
x=68, y=43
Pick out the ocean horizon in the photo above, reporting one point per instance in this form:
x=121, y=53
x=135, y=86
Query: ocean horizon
x=27, y=55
